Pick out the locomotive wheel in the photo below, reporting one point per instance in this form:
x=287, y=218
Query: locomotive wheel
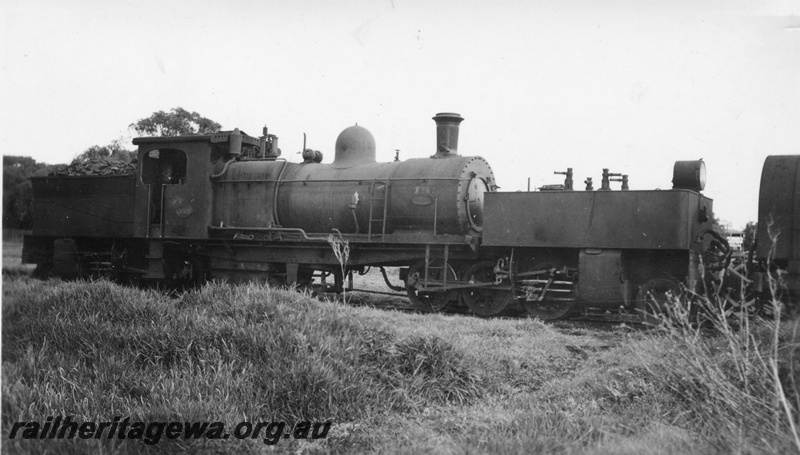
x=548, y=309
x=654, y=297
x=429, y=302
x=485, y=302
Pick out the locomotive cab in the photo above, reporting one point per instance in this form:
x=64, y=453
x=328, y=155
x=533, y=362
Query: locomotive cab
x=159, y=168
x=173, y=192
x=174, y=196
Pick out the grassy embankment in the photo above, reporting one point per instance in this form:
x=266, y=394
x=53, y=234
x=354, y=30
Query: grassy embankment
x=390, y=382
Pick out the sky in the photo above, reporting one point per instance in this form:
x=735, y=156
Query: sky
x=628, y=85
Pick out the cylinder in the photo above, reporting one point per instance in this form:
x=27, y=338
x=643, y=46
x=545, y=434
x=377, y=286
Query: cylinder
x=447, y=125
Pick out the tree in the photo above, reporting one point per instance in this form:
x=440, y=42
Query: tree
x=114, y=151
x=17, y=190
x=177, y=122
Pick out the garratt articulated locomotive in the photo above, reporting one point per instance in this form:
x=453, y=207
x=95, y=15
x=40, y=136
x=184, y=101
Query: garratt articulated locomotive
x=225, y=206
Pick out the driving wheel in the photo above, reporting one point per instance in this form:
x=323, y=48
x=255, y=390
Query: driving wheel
x=549, y=292
x=485, y=302
x=429, y=301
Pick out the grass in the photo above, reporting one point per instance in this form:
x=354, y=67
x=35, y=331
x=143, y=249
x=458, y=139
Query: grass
x=390, y=382
x=738, y=377
x=96, y=350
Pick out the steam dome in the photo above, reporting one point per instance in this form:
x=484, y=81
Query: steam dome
x=355, y=145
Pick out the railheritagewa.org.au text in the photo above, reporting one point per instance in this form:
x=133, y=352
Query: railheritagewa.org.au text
x=66, y=427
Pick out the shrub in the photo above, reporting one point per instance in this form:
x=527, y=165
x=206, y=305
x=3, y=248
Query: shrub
x=736, y=374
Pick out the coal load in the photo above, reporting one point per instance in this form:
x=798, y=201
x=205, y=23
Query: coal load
x=107, y=165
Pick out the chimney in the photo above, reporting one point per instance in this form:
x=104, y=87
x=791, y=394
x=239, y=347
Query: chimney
x=447, y=134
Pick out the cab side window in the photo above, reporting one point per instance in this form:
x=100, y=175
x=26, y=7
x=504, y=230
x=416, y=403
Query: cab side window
x=164, y=167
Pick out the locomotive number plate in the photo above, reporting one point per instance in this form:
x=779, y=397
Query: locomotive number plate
x=184, y=212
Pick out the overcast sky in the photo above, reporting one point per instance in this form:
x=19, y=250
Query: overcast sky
x=630, y=85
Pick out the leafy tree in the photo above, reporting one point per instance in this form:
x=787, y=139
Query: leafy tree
x=177, y=122
x=17, y=190
x=115, y=151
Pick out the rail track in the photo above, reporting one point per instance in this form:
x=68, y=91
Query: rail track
x=397, y=301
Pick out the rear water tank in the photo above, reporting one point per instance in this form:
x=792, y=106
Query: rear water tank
x=779, y=209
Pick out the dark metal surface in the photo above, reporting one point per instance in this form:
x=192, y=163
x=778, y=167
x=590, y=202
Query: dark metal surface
x=417, y=279
x=689, y=175
x=779, y=208
x=320, y=198
x=183, y=205
x=447, y=129
x=354, y=146
x=602, y=279
x=485, y=302
x=85, y=206
x=596, y=219
x=778, y=236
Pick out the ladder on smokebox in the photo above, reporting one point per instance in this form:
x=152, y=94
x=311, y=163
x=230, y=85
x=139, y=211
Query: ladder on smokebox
x=379, y=192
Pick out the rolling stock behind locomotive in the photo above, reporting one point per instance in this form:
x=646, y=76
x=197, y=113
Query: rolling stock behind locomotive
x=776, y=250
x=226, y=206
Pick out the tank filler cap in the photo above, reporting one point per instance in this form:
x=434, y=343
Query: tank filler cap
x=354, y=146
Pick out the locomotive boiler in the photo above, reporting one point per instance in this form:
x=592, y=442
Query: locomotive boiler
x=354, y=194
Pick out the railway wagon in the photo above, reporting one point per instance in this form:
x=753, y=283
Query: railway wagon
x=777, y=246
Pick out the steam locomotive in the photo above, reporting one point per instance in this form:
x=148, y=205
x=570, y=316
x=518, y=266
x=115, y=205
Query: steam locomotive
x=226, y=206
